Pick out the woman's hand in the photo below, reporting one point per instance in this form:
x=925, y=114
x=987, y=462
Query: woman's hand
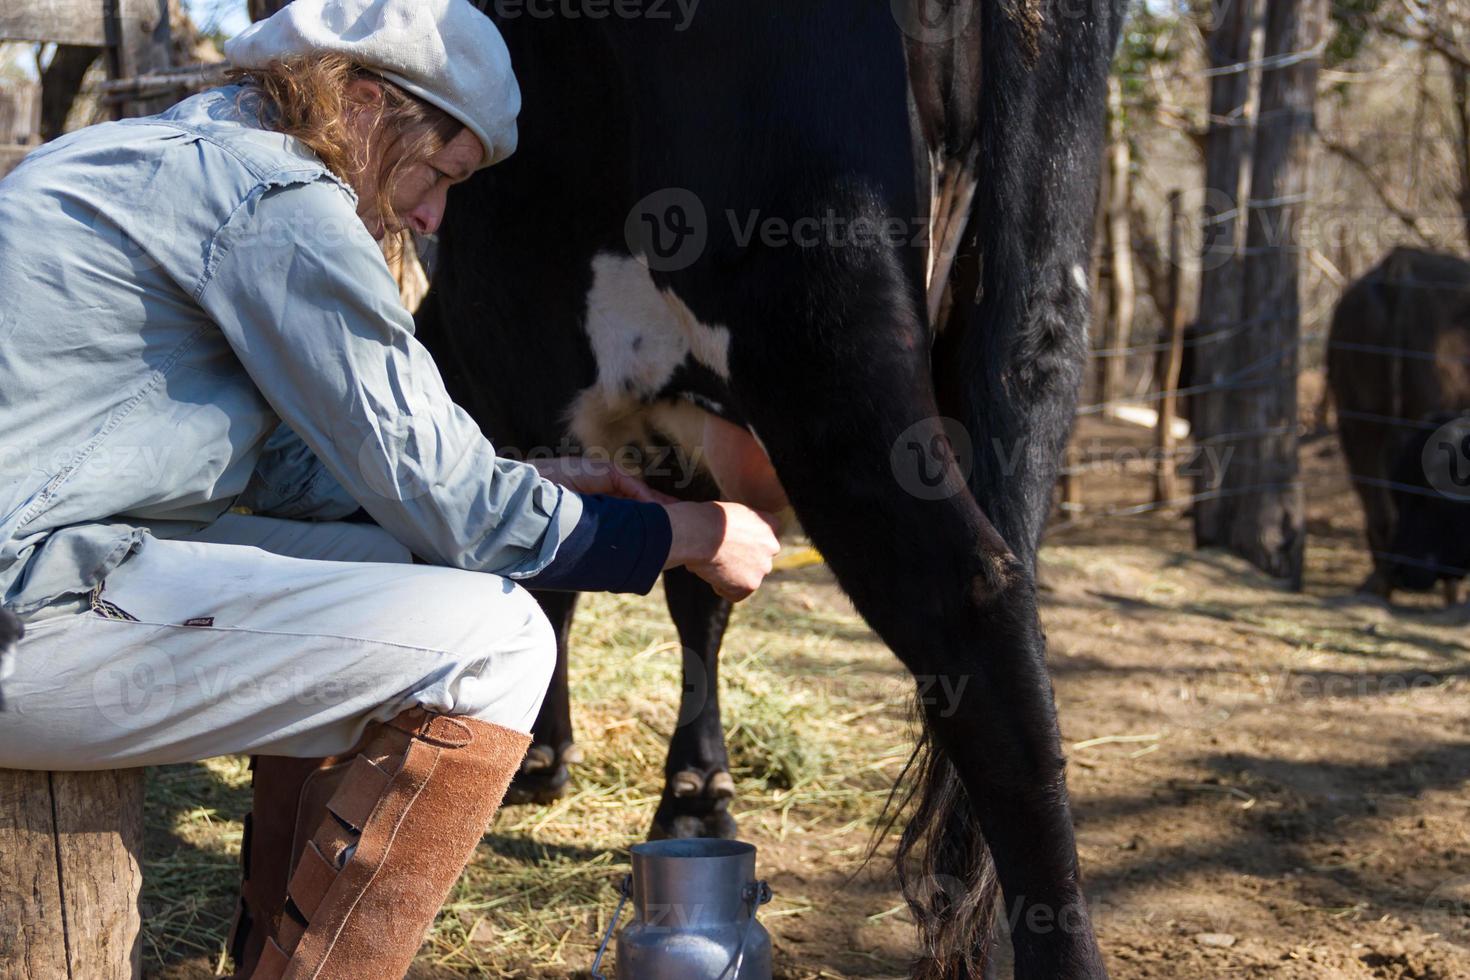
x=728, y=545
x=593, y=476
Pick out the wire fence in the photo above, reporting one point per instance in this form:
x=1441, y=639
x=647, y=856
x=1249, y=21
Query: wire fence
x=1384, y=176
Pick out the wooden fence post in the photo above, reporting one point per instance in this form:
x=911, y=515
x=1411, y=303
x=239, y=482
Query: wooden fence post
x=71, y=848
x=1171, y=359
x=141, y=45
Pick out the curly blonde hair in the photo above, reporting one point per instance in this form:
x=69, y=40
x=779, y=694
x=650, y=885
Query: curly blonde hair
x=306, y=97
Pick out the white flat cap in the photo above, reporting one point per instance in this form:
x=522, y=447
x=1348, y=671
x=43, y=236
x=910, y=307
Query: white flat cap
x=446, y=52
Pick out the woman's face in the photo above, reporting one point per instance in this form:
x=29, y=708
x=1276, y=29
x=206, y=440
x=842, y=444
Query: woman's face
x=419, y=197
x=421, y=190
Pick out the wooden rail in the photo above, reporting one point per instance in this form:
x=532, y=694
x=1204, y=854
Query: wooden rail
x=134, y=34
x=62, y=21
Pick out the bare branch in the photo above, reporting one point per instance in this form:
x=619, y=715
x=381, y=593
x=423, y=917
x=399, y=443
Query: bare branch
x=1356, y=160
x=1437, y=43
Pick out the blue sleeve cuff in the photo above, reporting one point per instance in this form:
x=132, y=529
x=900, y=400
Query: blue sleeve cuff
x=617, y=546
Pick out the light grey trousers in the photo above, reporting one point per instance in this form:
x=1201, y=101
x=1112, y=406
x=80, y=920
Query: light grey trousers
x=270, y=637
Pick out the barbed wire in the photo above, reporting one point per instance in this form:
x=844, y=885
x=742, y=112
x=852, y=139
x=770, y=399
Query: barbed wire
x=1242, y=379
x=1273, y=62
x=1332, y=75
x=1378, y=136
x=1185, y=501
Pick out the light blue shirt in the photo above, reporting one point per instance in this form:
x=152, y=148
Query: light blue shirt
x=172, y=290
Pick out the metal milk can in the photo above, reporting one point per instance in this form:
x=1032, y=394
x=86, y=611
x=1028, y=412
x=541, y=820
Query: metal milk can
x=694, y=914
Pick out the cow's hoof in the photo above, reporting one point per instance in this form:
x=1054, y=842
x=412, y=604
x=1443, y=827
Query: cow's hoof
x=691, y=784
x=544, y=775
x=695, y=805
x=1378, y=586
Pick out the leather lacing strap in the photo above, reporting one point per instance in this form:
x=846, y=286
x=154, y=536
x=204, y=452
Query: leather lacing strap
x=440, y=730
x=359, y=793
x=327, y=853
x=314, y=875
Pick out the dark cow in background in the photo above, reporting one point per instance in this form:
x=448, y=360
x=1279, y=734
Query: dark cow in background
x=684, y=249
x=1398, y=365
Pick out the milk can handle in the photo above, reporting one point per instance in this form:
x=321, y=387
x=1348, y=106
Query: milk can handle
x=757, y=893
x=627, y=889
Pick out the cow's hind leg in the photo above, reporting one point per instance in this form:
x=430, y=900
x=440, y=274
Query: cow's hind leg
x=546, y=771
x=697, y=787
x=840, y=392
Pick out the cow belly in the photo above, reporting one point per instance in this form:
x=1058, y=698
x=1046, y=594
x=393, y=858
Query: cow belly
x=661, y=377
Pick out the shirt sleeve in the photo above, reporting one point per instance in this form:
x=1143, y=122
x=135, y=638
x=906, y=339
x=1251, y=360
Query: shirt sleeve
x=617, y=546
x=290, y=482
x=305, y=299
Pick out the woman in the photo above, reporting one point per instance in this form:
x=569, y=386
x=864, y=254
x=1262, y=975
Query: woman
x=198, y=319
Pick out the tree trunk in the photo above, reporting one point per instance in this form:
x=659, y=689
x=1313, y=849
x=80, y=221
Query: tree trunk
x=61, y=83
x=1121, y=280
x=1422, y=99
x=1222, y=283
x=1460, y=88
x=1170, y=359
x=1262, y=496
x=71, y=848
x=1101, y=298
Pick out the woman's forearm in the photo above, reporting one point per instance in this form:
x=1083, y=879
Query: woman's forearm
x=696, y=533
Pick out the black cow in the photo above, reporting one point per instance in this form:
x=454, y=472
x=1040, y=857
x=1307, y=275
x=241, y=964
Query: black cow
x=1398, y=364
x=727, y=227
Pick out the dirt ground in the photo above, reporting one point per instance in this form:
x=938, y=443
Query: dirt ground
x=1266, y=783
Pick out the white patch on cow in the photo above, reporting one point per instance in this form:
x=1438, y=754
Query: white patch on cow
x=635, y=337
x=641, y=334
x=1079, y=276
x=709, y=345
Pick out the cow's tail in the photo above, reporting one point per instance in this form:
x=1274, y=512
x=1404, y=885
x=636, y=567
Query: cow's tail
x=944, y=865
